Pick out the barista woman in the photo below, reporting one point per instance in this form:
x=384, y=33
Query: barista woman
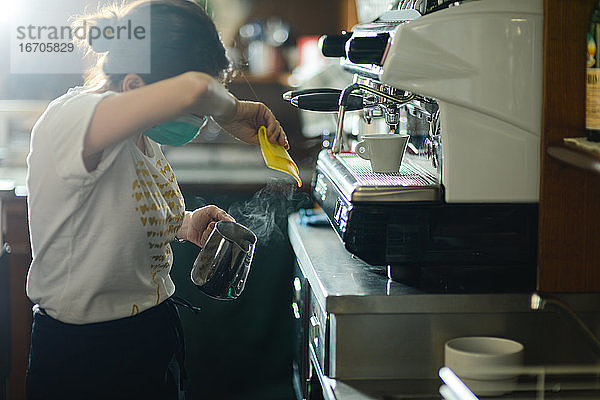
x=104, y=205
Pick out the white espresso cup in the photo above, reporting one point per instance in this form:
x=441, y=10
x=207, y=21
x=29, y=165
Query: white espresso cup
x=384, y=150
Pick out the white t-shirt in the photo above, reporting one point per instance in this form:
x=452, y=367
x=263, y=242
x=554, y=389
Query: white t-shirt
x=100, y=240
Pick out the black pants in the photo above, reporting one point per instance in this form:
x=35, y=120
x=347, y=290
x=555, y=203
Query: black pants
x=128, y=358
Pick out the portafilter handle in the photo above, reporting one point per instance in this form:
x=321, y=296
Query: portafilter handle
x=321, y=99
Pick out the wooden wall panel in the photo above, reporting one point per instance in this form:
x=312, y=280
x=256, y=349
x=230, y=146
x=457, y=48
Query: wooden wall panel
x=569, y=227
x=308, y=17
x=348, y=14
x=15, y=226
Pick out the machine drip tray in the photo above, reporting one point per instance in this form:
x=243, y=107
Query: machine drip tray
x=412, y=172
x=355, y=180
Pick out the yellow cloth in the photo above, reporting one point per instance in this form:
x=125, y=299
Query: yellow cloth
x=276, y=156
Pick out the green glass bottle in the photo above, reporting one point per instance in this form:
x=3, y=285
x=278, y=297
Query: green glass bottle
x=592, y=95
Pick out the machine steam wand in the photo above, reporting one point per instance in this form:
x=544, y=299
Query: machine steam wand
x=336, y=147
x=539, y=302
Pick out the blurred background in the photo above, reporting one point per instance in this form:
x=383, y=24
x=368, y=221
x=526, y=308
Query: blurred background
x=272, y=45
x=235, y=350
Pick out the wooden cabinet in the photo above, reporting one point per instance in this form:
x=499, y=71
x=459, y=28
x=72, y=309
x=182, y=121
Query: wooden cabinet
x=569, y=225
x=308, y=17
x=14, y=231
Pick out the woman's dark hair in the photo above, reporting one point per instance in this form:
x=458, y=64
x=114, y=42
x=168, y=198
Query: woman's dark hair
x=182, y=38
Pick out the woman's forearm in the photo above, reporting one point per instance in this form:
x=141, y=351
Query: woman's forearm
x=209, y=97
x=130, y=112
x=182, y=233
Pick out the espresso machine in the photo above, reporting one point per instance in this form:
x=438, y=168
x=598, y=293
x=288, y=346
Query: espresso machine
x=464, y=80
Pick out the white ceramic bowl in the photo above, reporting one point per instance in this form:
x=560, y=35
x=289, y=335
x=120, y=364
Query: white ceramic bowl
x=487, y=365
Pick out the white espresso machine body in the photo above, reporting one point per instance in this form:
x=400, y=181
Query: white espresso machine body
x=482, y=62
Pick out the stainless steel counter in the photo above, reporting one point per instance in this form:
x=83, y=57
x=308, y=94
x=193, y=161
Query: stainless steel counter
x=345, y=284
x=373, y=338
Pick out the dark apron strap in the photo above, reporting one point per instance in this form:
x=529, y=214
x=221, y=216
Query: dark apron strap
x=180, y=351
x=179, y=301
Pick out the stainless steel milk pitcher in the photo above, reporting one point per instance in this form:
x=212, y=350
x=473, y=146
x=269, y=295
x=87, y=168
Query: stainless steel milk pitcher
x=221, y=269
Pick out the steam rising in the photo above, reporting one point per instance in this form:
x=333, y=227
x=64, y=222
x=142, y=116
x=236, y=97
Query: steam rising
x=266, y=212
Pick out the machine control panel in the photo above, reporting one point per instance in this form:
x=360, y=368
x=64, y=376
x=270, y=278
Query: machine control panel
x=321, y=187
x=341, y=214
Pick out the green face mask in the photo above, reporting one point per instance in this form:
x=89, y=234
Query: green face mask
x=177, y=132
